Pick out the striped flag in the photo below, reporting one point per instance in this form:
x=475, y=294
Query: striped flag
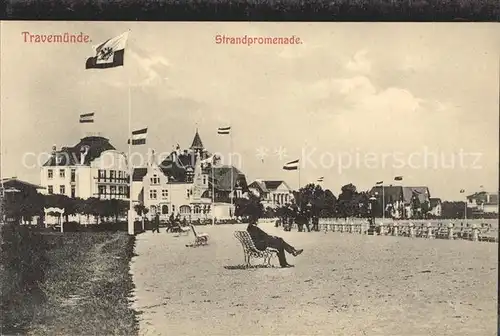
x=320, y=179
x=139, y=137
x=379, y=182
x=224, y=130
x=398, y=178
x=462, y=191
x=292, y=165
x=87, y=118
x=109, y=54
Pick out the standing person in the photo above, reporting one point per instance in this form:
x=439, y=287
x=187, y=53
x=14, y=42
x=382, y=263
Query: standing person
x=262, y=240
x=156, y=223
x=315, y=222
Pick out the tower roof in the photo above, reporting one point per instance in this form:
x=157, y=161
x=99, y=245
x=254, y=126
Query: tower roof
x=197, y=143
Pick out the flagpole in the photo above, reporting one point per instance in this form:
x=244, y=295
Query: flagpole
x=298, y=168
x=465, y=212
x=131, y=230
x=231, y=163
x=383, y=202
x=212, y=210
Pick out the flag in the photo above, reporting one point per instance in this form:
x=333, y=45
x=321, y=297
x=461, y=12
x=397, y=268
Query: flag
x=292, y=165
x=139, y=136
x=462, y=191
x=398, y=178
x=320, y=179
x=87, y=118
x=379, y=182
x=224, y=130
x=109, y=54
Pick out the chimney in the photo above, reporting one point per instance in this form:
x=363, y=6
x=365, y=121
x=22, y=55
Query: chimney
x=54, y=149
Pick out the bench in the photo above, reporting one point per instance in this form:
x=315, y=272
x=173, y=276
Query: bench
x=199, y=238
x=250, y=251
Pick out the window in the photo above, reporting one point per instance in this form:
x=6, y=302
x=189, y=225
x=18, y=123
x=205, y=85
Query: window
x=62, y=173
x=173, y=208
x=197, y=209
x=120, y=174
x=152, y=210
x=187, y=193
x=164, y=193
x=185, y=209
x=102, y=174
x=164, y=209
x=73, y=175
x=50, y=173
x=50, y=189
x=121, y=190
x=102, y=190
x=112, y=175
x=152, y=194
x=155, y=179
x=204, y=179
x=62, y=190
x=73, y=192
x=112, y=190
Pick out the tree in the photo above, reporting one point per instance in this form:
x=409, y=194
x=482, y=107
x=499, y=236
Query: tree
x=250, y=207
x=347, y=201
x=312, y=200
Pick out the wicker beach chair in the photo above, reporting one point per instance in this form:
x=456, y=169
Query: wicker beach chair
x=250, y=251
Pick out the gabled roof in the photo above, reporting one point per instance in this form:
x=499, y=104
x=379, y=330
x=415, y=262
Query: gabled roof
x=268, y=185
x=197, y=143
x=484, y=197
x=222, y=178
x=70, y=156
x=176, y=165
x=9, y=182
x=398, y=193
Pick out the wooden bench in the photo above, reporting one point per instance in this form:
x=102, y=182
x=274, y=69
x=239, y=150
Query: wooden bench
x=250, y=251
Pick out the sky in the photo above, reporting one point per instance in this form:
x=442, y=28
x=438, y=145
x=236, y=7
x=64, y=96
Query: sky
x=355, y=102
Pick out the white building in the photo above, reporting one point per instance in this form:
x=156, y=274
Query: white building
x=483, y=202
x=91, y=168
x=183, y=183
x=272, y=192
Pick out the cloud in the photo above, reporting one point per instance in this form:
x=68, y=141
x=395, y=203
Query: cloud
x=359, y=63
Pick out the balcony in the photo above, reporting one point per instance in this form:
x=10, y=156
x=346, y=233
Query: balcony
x=109, y=180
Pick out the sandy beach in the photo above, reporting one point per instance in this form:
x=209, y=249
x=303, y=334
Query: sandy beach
x=343, y=284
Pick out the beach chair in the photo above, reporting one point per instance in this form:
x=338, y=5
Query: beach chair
x=199, y=238
x=250, y=251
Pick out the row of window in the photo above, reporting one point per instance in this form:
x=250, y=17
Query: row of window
x=184, y=209
x=155, y=180
x=62, y=174
x=113, y=174
x=62, y=190
x=112, y=190
x=153, y=193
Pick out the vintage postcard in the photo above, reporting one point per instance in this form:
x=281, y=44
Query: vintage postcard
x=176, y=178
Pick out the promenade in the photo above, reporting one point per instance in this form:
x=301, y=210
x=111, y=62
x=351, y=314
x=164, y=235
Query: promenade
x=343, y=284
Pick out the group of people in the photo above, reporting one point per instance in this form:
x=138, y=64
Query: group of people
x=173, y=223
x=291, y=214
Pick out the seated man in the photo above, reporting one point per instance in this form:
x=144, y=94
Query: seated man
x=262, y=240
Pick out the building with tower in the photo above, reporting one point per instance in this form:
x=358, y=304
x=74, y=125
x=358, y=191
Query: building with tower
x=188, y=183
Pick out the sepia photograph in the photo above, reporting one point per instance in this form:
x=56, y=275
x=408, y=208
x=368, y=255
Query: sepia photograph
x=249, y=178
